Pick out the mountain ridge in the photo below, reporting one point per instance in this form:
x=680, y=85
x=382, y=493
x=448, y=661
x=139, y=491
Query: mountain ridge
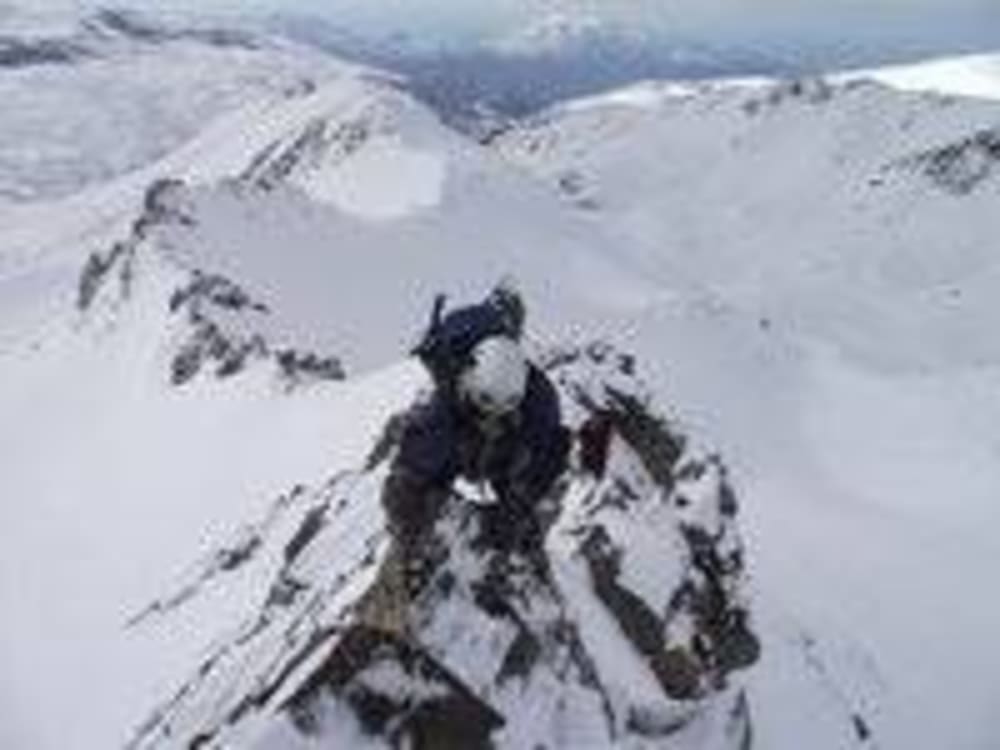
x=824, y=321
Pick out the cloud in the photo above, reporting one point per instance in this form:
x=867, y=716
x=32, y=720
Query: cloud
x=719, y=19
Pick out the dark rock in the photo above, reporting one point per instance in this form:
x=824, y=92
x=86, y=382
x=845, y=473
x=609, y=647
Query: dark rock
x=594, y=437
x=861, y=728
x=677, y=673
x=960, y=168
x=521, y=657
x=300, y=367
x=185, y=365
x=318, y=141
x=213, y=290
x=313, y=523
x=21, y=53
x=657, y=446
x=220, y=314
x=427, y=706
x=231, y=558
x=98, y=269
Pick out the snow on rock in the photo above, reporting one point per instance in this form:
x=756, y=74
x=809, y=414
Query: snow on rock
x=961, y=167
x=221, y=323
x=629, y=627
x=363, y=156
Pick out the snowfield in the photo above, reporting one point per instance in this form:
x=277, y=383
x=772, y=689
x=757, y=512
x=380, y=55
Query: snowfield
x=804, y=271
x=821, y=279
x=971, y=75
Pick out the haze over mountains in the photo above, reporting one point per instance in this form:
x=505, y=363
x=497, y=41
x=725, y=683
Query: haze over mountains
x=218, y=246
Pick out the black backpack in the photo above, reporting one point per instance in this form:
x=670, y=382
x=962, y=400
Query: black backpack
x=446, y=347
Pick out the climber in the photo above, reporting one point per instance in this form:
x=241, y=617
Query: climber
x=493, y=419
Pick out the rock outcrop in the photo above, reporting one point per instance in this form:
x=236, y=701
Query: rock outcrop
x=221, y=323
x=960, y=168
x=626, y=627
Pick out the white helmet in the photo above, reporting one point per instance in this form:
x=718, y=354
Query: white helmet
x=496, y=380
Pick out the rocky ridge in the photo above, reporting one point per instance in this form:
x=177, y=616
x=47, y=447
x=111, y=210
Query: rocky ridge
x=220, y=319
x=629, y=626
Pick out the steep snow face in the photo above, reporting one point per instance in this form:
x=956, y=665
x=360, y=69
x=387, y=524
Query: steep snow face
x=311, y=206
x=972, y=76
x=825, y=307
x=125, y=96
x=868, y=187
x=376, y=155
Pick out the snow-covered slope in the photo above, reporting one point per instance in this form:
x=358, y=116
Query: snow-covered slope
x=89, y=97
x=804, y=272
x=201, y=324
x=972, y=75
x=319, y=197
x=827, y=307
x=856, y=187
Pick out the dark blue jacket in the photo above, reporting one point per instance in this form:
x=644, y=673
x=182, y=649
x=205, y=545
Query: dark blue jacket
x=443, y=441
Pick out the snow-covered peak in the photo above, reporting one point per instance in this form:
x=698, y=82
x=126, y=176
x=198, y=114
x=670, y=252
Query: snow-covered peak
x=125, y=92
x=650, y=95
x=96, y=32
x=367, y=149
x=622, y=620
x=549, y=34
x=970, y=75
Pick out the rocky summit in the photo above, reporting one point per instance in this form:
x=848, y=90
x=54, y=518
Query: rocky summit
x=623, y=623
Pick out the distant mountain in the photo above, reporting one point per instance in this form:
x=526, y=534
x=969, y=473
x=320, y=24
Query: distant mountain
x=474, y=85
x=478, y=83
x=89, y=97
x=971, y=75
x=31, y=38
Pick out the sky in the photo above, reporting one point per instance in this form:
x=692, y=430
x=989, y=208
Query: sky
x=946, y=23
